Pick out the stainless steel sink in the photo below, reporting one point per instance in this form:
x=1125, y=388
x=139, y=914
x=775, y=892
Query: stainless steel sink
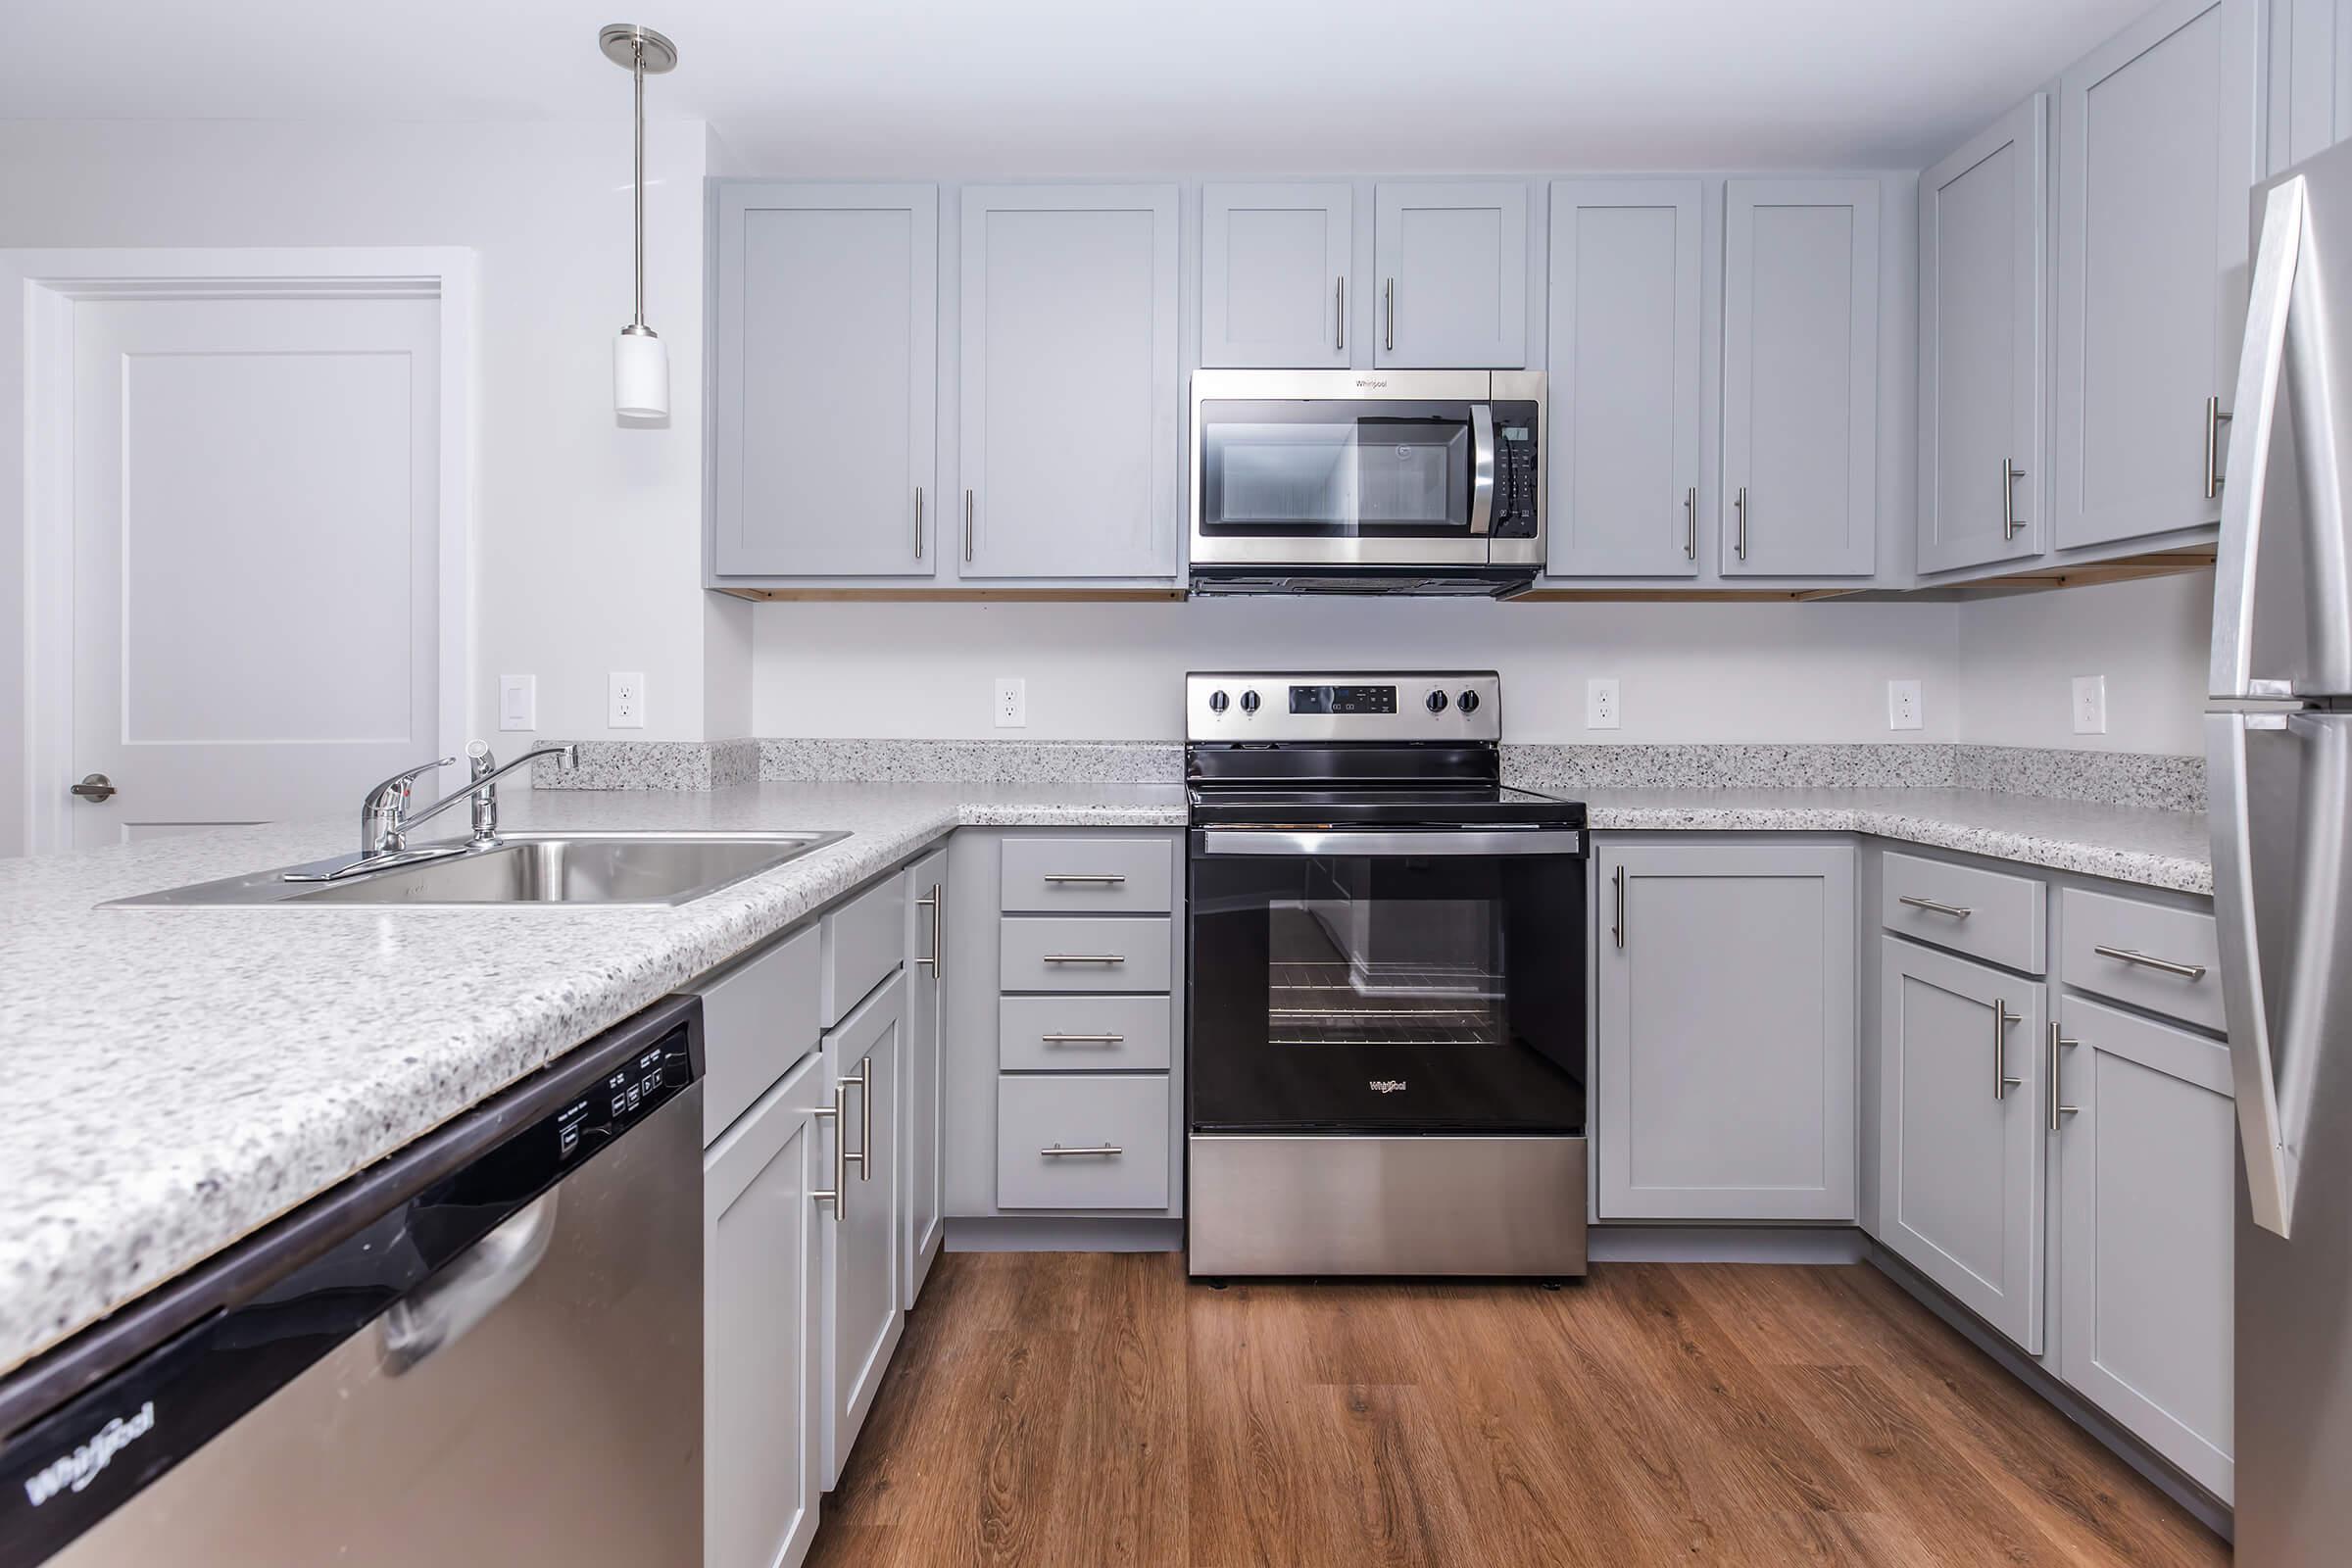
x=520, y=868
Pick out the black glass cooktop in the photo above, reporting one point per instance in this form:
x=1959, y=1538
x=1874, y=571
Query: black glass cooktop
x=1385, y=805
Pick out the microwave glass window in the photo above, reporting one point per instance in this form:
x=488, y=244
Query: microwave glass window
x=1331, y=470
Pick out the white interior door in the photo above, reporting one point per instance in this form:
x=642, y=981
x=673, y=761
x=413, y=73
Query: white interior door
x=255, y=504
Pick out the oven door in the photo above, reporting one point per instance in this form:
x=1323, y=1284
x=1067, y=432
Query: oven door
x=1391, y=981
x=1343, y=481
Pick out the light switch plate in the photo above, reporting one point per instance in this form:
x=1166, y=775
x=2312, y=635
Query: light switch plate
x=519, y=702
x=624, y=699
x=1011, y=707
x=1601, y=703
x=2090, y=705
x=1903, y=710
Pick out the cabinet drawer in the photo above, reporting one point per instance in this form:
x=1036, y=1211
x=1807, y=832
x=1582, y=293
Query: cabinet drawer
x=865, y=939
x=2165, y=941
x=1126, y=1119
x=1083, y=1033
x=759, y=1016
x=1118, y=876
x=1045, y=953
x=1990, y=915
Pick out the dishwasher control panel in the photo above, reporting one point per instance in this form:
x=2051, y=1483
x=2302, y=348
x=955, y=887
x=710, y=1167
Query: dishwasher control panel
x=628, y=1093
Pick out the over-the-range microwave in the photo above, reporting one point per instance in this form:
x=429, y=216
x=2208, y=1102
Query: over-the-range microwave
x=1367, y=481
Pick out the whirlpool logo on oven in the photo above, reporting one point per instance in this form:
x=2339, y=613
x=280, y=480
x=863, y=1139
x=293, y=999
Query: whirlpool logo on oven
x=1388, y=1086
x=75, y=1471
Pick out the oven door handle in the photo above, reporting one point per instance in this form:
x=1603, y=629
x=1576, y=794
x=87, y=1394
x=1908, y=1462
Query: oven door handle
x=1482, y=468
x=1436, y=842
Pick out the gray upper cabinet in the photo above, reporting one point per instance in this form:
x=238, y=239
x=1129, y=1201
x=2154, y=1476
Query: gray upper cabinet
x=1801, y=378
x=825, y=338
x=1274, y=275
x=1725, y=1062
x=2156, y=153
x=1624, y=360
x=1961, y=1152
x=1451, y=274
x=1980, y=292
x=2311, y=79
x=1070, y=441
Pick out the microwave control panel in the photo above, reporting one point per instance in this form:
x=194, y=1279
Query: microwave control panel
x=1515, y=429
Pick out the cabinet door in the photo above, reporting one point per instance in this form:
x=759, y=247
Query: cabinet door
x=1960, y=1131
x=1623, y=378
x=1071, y=437
x=861, y=1238
x=2311, y=79
x=1452, y=264
x=1274, y=275
x=825, y=397
x=1727, y=1032
x=2148, y=1152
x=1801, y=378
x=2156, y=158
x=919, y=1131
x=1981, y=285
x=761, y=1326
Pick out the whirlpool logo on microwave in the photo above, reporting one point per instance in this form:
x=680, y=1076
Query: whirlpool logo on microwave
x=1388, y=1086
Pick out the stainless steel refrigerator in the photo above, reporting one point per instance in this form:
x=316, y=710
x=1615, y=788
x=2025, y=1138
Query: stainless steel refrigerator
x=2279, y=754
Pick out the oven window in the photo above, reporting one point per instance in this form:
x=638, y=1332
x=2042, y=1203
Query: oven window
x=1335, y=470
x=1345, y=972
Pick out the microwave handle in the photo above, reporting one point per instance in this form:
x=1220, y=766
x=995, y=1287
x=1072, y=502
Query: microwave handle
x=1482, y=468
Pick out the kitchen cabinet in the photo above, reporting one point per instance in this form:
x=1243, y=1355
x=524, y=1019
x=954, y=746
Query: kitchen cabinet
x=1961, y=1121
x=1275, y=275
x=824, y=341
x=2146, y=1138
x=761, y=1318
x=1801, y=378
x=1622, y=474
x=2310, y=79
x=1451, y=264
x=860, y=1236
x=924, y=1226
x=1070, y=445
x=1981, y=243
x=2156, y=154
x=1725, y=1059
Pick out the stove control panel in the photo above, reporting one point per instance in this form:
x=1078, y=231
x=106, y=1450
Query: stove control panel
x=1271, y=706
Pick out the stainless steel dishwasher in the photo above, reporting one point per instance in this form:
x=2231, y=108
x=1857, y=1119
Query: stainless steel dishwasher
x=486, y=1348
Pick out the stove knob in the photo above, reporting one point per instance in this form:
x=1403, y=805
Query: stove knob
x=1248, y=702
x=1436, y=702
x=1467, y=702
x=1218, y=702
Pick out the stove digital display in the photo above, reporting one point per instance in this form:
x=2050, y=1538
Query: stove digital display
x=1343, y=699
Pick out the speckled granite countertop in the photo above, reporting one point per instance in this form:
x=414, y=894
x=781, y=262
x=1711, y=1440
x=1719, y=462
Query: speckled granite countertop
x=174, y=1078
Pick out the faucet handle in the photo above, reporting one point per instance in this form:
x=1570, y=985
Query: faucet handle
x=396, y=788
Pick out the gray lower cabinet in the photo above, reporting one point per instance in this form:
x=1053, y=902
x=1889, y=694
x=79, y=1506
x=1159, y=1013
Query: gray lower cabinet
x=1071, y=424
x=860, y=1236
x=826, y=376
x=1726, y=1050
x=2146, y=1149
x=1451, y=264
x=1982, y=268
x=1801, y=378
x=1082, y=1141
x=1961, y=1131
x=1624, y=414
x=924, y=1225
x=2157, y=148
x=1275, y=261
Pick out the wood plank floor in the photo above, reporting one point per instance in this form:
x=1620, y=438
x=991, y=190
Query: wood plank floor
x=1096, y=1408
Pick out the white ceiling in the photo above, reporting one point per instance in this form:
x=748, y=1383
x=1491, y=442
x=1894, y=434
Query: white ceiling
x=1056, y=86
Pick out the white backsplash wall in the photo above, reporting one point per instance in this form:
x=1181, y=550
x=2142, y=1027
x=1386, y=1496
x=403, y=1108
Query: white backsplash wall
x=1113, y=671
x=2017, y=657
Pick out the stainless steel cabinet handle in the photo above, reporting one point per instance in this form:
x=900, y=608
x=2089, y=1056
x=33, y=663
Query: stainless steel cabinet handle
x=98, y=787
x=2002, y=1018
x=2010, y=475
x=1085, y=958
x=2186, y=972
x=930, y=901
x=1338, y=311
x=1060, y=1153
x=1690, y=522
x=2214, y=419
x=1739, y=511
x=2057, y=1111
x=967, y=525
x=1618, y=928
x=841, y=1153
x=863, y=1078
x=1106, y=878
x=918, y=522
x=1387, y=297
x=1083, y=1040
x=1953, y=910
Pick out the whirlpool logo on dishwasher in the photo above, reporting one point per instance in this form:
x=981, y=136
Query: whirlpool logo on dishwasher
x=75, y=1471
x=1388, y=1086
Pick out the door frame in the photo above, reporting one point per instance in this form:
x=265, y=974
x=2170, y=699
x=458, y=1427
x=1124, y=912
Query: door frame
x=36, y=444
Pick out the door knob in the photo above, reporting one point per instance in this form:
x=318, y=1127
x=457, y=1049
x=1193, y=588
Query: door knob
x=94, y=787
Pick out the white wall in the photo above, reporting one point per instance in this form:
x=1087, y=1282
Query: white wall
x=1111, y=672
x=2017, y=657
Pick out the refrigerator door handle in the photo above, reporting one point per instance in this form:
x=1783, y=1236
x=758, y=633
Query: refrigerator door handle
x=2260, y=369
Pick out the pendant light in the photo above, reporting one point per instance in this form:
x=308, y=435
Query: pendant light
x=640, y=358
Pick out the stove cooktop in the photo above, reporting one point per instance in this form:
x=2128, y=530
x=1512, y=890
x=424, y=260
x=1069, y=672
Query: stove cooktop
x=1384, y=806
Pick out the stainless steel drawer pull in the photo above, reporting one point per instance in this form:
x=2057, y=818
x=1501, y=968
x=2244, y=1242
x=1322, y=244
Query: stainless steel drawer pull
x=2057, y=1111
x=1085, y=958
x=1083, y=1040
x=1690, y=522
x=1104, y=878
x=967, y=525
x=1339, y=289
x=841, y=1152
x=2186, y=972
x=1934, y=906
x=2002, y=1018
x=1060, y=1153
x=918, y=522
x=1617, y=878
x=2214, y=419
x=930, y=900
x=1388, y=300
x=2010, y=520
x=1739, y=536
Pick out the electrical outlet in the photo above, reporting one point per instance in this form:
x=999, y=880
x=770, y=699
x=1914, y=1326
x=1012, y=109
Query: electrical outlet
x=1011, y=708
x=2090, y=705
x=517, y=702
x=1601, y=703
x=624, y=700
x=1903, y=710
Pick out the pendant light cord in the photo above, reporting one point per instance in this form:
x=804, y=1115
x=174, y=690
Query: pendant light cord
x=638, y=71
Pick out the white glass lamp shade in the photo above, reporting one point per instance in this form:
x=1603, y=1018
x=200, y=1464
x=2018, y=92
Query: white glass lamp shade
x=640, y=376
